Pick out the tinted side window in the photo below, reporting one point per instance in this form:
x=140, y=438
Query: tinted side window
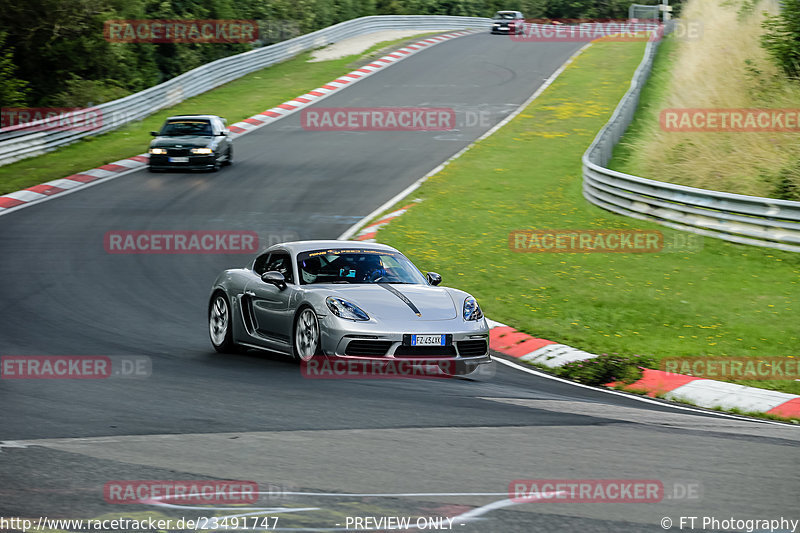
x=260, y=264
x=280, y=262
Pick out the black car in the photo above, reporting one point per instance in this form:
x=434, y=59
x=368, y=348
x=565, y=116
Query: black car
x=508, y=22
x=191, y=142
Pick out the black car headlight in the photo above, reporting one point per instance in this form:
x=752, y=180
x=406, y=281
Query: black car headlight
x=157, y=151
x=344, y=309
x=204, y=151
x=472, y=311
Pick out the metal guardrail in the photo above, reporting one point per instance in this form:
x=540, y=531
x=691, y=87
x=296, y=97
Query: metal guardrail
x=733, y=217
x=20, y=144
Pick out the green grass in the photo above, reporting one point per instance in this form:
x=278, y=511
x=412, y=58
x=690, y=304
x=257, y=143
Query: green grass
x=235, y=101
x=724, y=300
x=650, y=103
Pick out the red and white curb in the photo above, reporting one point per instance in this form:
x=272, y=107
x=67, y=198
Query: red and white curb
x=356, y=229
x=52, y=188
x=711, y=394
x=699, y=391
x=289, y=107
x=368, y=233
x=45, y=191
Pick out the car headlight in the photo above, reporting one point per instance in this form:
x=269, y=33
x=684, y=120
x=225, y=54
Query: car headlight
x=157, y=151
x=344, y=309
x=472, y=311
x=202, y=151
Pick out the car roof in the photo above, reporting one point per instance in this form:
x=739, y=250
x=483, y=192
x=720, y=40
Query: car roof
x=208, y=117
x=296, y=247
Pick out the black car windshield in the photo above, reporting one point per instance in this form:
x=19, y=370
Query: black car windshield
x=356, y=265
x=186, y=127
x=505, y=16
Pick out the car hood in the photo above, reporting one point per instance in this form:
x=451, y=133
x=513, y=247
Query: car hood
x=184, y=141
x=386, y=302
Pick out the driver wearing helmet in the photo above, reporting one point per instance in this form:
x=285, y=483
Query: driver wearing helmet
x=310, y=269
x=372, y=269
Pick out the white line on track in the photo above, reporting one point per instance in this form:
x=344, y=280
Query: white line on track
x=414, y=186
x=635, y=397
x=107, y=176
x=82, y=187
x=468, y=516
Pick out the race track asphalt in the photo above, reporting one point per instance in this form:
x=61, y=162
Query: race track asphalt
x=201, y=415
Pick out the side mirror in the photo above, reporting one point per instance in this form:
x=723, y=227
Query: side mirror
x=433, y=278
x=224, y=133
x=274, y=277
x=154, y=133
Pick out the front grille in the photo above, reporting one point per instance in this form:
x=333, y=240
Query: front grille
x=362, y=347
x=469, y=348
x=177, y=151
x=426, y=351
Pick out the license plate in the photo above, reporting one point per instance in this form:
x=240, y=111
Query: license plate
x=427, y=340
x=178, y=159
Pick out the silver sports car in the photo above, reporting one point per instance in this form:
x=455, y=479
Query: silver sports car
x=345, y=300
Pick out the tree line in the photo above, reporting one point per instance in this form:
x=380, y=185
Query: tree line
x=53, y=52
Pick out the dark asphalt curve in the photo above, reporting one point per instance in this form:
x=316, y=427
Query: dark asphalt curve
x=201, y=415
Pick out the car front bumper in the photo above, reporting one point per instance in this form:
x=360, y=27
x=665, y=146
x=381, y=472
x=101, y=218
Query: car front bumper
x=194, y=162
x=371, y=340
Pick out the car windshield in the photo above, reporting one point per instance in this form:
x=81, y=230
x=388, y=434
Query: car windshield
x=356, y=266
x=186, y=127
x=505, y=16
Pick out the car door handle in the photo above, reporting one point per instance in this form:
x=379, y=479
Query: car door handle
x=249, y=293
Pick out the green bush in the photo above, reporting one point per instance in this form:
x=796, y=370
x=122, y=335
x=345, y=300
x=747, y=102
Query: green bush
x=782, y=38
x=606, y=368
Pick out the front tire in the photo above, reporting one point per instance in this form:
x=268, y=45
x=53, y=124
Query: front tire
x=220, y=323
x=306, y=335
